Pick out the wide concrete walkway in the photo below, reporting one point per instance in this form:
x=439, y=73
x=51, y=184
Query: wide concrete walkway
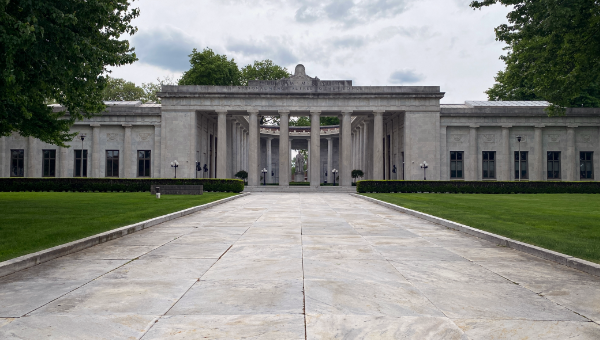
x=296, y=266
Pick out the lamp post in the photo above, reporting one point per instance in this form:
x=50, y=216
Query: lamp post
x=424, y=166
x=175, y=165
x=519, y=138
x=264, y=172
x=82, y=138
x=334, y=172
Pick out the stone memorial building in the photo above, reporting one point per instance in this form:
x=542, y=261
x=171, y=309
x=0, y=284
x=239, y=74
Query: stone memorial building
x=386, y=131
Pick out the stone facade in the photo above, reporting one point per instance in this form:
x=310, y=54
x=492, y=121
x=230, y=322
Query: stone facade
x=386, y=131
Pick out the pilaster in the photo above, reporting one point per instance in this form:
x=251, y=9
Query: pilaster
x=253, y=141
x=473, y=170
x=284, y=148
x=346, y=146
x=156, y=157
x=504, y=161
x=378, y=162
x=538, y=155
x=95, y=168
x=571, y=161
x=127, y=152
x=444, y=153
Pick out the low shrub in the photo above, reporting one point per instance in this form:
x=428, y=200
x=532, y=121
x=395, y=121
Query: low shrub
x=478, y=187
x=114, y=184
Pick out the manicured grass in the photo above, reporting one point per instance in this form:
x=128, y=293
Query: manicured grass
x=33, y=221
x=567, y=223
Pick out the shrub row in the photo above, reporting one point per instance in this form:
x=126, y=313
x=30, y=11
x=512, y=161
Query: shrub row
x=479, y=187
x=114, y=184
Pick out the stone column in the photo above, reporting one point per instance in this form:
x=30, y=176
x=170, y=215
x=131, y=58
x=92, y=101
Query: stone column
x=127, y=152
x=504, y=161
x=537, y=173
x=64, y=163
x=284, y=148
x=253, y=139
x=315, y=146
x=444, y=163
x=269, y=160
x=308, y=160
x=571, y=161
x=230, y=147
x=156, y=152
x=238, y=148
x=258, y=151
x=30, y=157
x=329, y=159
x=378, y=145
x=345, y=171
x=363, y=156
x=473, y=171
x=95, y=170
x=221, y=144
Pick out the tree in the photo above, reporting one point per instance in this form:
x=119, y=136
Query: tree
x=305, y=121
x=243, y=175
x=330, y=121
x=357, y=173
x=554, y=53
x=58, y=51
x=118, y=89
x=263, y=70
x=209, y=68
x=150, y=89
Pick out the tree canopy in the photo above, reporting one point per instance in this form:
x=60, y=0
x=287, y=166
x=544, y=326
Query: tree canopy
x=118, y=89
x=209, y=68
x=553, y=53
x=305, y=121
x=58, y=50
x=263, y=70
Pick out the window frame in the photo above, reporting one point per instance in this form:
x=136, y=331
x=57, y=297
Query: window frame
x=590, y=162
x=456, y=162
x=516, y=165
x=554, y=161
x=110, y=162
x=84, y=154
x=488, y=161
x=49, y=163
x=148, y=158
x=19, y=160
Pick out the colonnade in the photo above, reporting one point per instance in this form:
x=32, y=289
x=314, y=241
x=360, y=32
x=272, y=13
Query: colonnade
x=249, y=146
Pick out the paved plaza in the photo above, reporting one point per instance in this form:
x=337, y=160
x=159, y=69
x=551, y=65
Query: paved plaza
x=299, y=266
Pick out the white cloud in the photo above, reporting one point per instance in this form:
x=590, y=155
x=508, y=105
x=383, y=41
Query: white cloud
x=406, y=77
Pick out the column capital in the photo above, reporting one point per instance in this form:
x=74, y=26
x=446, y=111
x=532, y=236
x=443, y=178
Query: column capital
x=473, y=126
x=283, y=112
x=252, y=112
x=126, y=125
x=221, y=112
x=506, y=126
x=315, y=112
x=572, y=126
x=328, y=138
x=343, y=112
x=378, y=112
x=95, y=125
x=539, y=126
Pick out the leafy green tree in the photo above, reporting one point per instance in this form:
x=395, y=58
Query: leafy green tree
x=263, y=70
x=209, y=68
x=150, y=89
x=305, y=121
x=118, y=89
x=553, y=53
x=300, y=121
x=330, y=121
x=58, y=51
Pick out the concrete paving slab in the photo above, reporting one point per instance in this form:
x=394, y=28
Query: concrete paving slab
x=342, y=252
x=385, y=231
x=265, y=251
x=387, y=298
x=494, y=254
x=339, y=240
x=259, y=327
x=78, y=327
x=528, y=330
x=440, y=272
x=64, y=269
x=493, y=301
x=6, y=321
x=349, y=270
x=325, y=230
x=114, y=297
x=272, y=239
x=252, y=269
x=394, y=253
x=18, y=298
x=109, y=252
x=164, y=269
x=241, y=298
x=381, y=327
x=583, y=298
x=142, y=238
x=398, y=241
x=190, y=251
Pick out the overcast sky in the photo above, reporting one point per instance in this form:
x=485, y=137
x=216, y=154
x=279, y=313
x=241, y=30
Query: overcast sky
x=371, y=42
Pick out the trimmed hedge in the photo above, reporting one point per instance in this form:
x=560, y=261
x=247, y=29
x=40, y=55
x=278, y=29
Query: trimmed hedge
x=479, y=187
x=114, y=184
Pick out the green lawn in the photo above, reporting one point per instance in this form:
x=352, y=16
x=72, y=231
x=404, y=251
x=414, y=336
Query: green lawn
x=32, y=221
x=567, y=223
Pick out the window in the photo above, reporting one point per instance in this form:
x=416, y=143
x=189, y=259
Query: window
x=586, y=165
x=456, y=164
x=553, y=164
x=144, y=164
x=49, y=163
x=489, y=164
x=112, y=163
x=524, y=172
x=78, y=169
x=17, y=163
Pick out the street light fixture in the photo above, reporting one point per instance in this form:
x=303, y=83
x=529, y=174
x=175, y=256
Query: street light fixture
x=334, y=171
x=264, y=172
x=175, y=165
x=519, y=138
x=82, y=138
x=424, y=166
